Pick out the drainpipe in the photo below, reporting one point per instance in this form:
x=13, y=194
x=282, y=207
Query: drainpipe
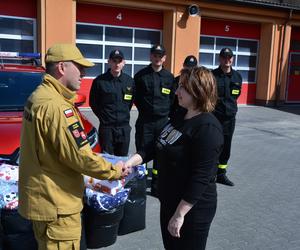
x=279, y=78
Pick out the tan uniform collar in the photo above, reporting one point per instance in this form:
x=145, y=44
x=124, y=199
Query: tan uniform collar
x=68, y=95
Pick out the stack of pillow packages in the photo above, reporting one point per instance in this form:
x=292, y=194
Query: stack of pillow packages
x=104, y=195
x=13, y=228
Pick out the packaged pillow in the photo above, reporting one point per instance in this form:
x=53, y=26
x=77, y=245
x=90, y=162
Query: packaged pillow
x=105, y=202
x=9, y=173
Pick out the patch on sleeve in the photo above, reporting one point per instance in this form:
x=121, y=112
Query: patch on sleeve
x=78, y=134
x=68, y=113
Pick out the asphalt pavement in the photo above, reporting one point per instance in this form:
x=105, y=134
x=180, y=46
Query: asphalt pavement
x=262, y=210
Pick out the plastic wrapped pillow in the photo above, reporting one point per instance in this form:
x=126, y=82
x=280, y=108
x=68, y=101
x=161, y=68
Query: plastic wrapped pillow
x=9, y=173
x=104, y=186
x=8, y=195
x=113, y=187
x=104, y=202
x=113, y=159
x=139, y=171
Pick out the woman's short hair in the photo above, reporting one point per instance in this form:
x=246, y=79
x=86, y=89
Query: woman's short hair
x=200, y=83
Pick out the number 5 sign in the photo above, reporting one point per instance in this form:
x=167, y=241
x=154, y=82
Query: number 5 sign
x=227, y=28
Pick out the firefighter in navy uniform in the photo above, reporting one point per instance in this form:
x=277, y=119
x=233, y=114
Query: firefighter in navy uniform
x=229, y=83
x=111, y=98
x=155, y=90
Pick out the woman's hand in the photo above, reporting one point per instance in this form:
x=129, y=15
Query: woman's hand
x=134, y=160
x=177, y=219
x=175, y=225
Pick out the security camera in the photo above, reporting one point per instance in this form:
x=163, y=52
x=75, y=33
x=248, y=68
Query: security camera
x=193, y=10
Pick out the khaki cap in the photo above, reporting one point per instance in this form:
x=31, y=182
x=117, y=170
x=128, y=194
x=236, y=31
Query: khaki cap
x=61, y=52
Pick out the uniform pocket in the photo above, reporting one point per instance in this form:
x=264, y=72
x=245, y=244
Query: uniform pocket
x=70, y=245
x=66, y=227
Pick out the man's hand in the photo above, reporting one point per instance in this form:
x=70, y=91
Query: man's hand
x=126, y=170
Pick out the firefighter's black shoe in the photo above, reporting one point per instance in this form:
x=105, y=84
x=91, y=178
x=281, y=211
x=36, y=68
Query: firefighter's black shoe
x=223, y=179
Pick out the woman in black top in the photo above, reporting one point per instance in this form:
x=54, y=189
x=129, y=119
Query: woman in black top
x=187, y=151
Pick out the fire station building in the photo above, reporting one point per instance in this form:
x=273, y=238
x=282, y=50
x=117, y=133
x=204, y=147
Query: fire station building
x=263, y=34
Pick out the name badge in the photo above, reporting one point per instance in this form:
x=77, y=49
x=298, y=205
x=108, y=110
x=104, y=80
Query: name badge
x=127, y=97
x=165, y=91
x=235, y=92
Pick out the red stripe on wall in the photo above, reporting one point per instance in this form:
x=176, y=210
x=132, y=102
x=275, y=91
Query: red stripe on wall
x=22, y=8
x=248, y=94
x=119, y=16
x=218, y=27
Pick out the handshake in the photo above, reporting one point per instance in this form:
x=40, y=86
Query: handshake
x=126, y=167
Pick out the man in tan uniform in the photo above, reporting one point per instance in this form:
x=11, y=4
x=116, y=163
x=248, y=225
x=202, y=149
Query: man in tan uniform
x=55, y=153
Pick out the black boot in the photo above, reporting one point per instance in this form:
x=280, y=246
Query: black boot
x=223, y=179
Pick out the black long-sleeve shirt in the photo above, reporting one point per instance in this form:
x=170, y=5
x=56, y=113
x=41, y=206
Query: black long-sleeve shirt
x=187, y=152
x=154, y=93
x=111, y=98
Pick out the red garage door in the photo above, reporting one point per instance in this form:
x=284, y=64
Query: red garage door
x=293, y=88
x=100, y=29
x=216, y=34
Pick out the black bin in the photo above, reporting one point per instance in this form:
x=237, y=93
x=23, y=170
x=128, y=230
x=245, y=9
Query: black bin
x=1, y=237
x=101, y=228
x=82, y=240
x=16, y=230
x=134, y=218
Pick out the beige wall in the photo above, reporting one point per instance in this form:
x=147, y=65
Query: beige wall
x=282, y=79
x=273, y=63
x=169, y=37
x=57, y=22
x=265, y=62
x=187, y=37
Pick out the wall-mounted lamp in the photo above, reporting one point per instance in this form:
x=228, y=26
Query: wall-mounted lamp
x=193, y=10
